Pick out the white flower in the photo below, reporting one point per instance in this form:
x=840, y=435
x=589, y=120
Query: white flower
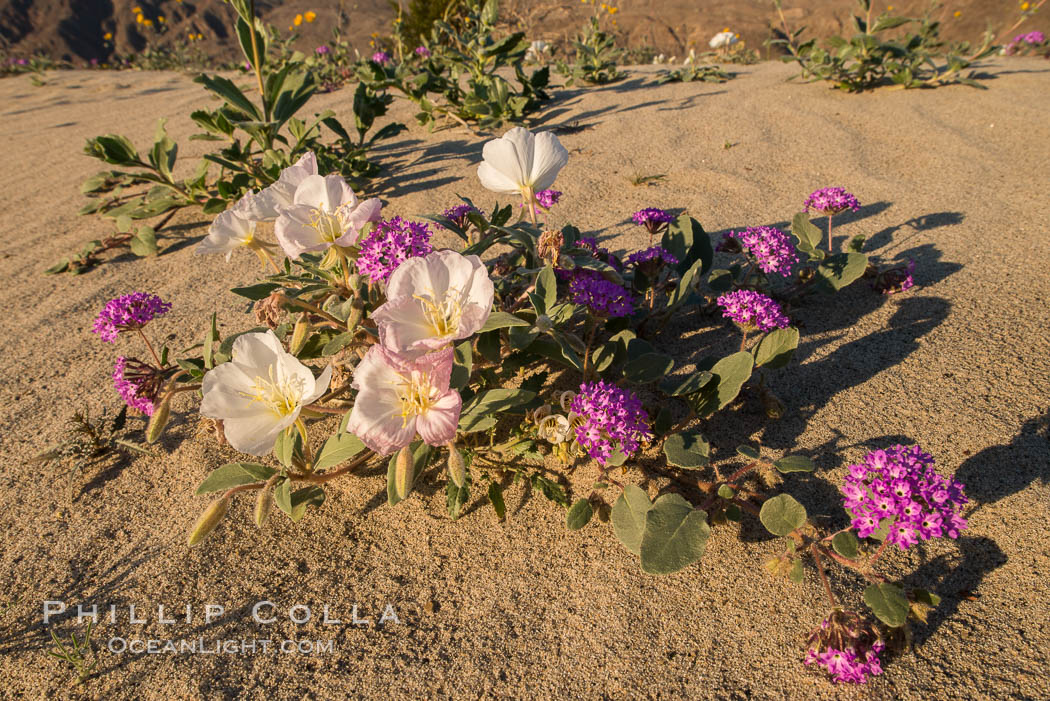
x=324, y=212
x=434, y=301
x=537, y=49
x=522, y=162
x=266, y=206
x=723, y=39
x=398, y=398
x=259, y=392
x=231, y=230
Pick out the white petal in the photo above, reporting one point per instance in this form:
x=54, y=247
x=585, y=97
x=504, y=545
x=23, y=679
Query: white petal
x=313, y=191
x=256, y=435
x=549, y=158
x=492, y=179
x=437, y=426
x=376, y=420
x=227, y=391
x=255, y=353
x=320, y=386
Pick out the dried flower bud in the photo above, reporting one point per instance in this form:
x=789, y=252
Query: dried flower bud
x=550, y=246
x=270, y=310
x=209, y=520
x=403, y=472
x=159, y=420
x=457, y=470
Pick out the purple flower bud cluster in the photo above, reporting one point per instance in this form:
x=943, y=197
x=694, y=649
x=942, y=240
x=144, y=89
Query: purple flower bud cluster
x=831, y=200
x=458, y=214
x=603, y=297
x=896, y=279
x=381, y=57
x=390, y=244
x=137, y=383
x=899, y=485
x=770, y=246
x=322, y=50
x=128, y=313
x=653, y=253
x=753, y=309
x=653, y=219
x=847, y=647
x=422, y=52
x=609, y=418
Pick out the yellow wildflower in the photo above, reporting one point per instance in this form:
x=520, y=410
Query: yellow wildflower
x=147, y=22
x=310, y=16
x=136, y=10
x=140, y=19
x=957, y=14
x=161, y=19
x=107, y=36
x=1025, y=6
x=613, y=10
x=298, y=20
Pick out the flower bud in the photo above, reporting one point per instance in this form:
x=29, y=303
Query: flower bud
x=403, y=472
x=209, y=520
x=775, y=408
x=357, y=312
x=263, y=506
x=457, y=470
x=299, y=334
x=159, y=420
x=544, y=323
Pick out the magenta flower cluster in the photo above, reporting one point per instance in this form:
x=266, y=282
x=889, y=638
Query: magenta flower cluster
x=1035, y=37
x=136, y=383
x=770, y=246
x=390, y=244
x=381, y=57
x=610, y=418
x=831, y=200
x=128, y=313
x=422, y=52
x=652, y=219
x=603, y=297
x=458, y=214
x=846, y=665
x=899, y=484
x=548, y=198
x=753, y=309
x=322, y=50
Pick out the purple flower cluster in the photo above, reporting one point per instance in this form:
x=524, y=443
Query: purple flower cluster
x=896, y=279
x=1035, y=37
x=753, y=309
x=422, y=52
x=609, y=418
x=831, y=200
x=603, y=297
x=458, y=214
x=322, y=50
x=846, y=646
x=846, y=665
x=390, y=244
x=652, y=219
x=381, y=57
x=770, y=246
x=128, y=313
x=548, y=198
x=137, y=383
x=899, y=484
x=653, y=253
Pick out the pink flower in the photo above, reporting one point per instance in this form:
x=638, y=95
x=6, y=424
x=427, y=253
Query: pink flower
x=433, y=301
x=399, y=398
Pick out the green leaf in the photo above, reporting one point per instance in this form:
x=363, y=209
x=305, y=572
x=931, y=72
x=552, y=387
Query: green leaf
x=888, y=603
x=688, y=451
x=796, y=574
x=806, y=232
x=288, y=444
x=546, y=290
x=648, y=367
x=782, y=514
x=420, y=456
x=677, y=386
x=224, y=88
x=501, y=320
x=496, y=499
x=579, y=515
x=456, y=497
x=294, y=503
x=689, y=243
x=256, y=292
x=628, y=517
x=675, y=535
x=776, y=348
x=144, y=243
x=338, y=449
x=495, y=401
x=748, y=452
x=794, y=463
x=842, y=269
x=209, y=342
x=726, y=492
x=846, y=545
x=550, y=489
x=464, y=365
x=234, y=474
x=730, y=374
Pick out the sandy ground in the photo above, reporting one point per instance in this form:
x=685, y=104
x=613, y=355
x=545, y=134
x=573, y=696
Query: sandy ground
x=952, y=178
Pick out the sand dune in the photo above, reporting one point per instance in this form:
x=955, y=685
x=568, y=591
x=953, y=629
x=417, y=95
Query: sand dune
x=953, y=178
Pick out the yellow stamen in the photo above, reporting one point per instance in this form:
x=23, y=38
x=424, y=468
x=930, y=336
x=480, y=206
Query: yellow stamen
x=282, y=397
x=416, y=393
x=442, y=316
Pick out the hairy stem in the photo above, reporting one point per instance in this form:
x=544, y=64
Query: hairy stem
x=823, y=575
x=150, y=346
